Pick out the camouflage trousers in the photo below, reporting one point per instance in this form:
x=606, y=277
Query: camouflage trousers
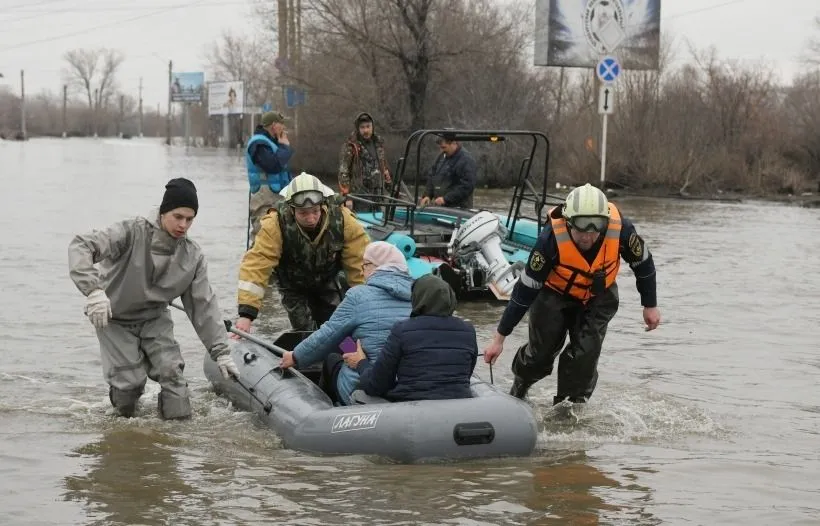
x=259, y=204
x=309, y=308
x=552, y=317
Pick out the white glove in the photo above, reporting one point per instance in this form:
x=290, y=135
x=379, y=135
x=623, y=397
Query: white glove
x=227, y=366
x=98, y=308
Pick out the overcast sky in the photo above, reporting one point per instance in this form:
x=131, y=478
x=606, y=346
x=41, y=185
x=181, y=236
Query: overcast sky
x=34, y=34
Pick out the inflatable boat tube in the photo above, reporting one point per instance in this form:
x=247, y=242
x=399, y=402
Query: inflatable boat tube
x=491, y=424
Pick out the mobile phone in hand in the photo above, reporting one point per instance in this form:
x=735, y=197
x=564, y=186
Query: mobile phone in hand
x=348, y=345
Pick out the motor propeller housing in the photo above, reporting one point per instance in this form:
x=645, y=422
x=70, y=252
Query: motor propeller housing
x=478, y=243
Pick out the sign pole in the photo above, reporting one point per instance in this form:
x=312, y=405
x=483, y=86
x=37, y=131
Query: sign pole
x=187, y=119
x=170, y=99
x=603, y=151
x=608, y=70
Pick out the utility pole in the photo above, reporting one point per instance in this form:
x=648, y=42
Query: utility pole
x=168, y=120
x=158, y=120
x=122, y=115
x=140, y=106
x=282, y=15
x=23, y=104
x=297, y=59
x=94, y=111
x=292, y=60
x=65, y=105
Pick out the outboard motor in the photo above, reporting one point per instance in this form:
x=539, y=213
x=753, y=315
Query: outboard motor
x=476, y=245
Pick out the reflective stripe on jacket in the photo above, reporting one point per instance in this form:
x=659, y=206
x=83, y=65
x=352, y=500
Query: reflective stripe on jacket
x=572, y=274
x=265, y=255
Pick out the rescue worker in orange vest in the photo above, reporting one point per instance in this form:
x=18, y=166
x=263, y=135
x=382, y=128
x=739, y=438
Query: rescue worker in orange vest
x=569, y=287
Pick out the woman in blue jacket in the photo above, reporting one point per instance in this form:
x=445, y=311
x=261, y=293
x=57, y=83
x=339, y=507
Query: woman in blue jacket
x=367, y=313
x=429, y=356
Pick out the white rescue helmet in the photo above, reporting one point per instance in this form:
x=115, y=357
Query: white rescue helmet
x=305, y=191
x=586, y=209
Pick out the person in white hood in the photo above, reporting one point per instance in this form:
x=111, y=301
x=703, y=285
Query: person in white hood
x=143, y=266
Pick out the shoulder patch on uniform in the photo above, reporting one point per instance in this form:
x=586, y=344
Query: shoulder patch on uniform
x=635, y=245
x=537, y=261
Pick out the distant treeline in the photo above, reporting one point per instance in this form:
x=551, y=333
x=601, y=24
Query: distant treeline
x=705, y=126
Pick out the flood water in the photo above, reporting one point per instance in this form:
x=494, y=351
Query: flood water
x=714, y=418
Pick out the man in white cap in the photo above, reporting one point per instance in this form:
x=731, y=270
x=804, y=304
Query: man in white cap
x=307, y=241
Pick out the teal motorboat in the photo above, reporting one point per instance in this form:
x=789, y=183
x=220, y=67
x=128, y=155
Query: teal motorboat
x=479, y=252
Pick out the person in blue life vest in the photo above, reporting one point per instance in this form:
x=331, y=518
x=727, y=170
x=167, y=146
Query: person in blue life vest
x=569, y=288
x=266, y=159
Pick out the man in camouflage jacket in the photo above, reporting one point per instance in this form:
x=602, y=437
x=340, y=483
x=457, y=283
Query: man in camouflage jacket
x=306, y=242
x=363, y=167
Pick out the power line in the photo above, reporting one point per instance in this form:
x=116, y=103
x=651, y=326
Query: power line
x=123, y=7
x=31, y=4
x=101, y=26
x=88, y=10
x=708, y=8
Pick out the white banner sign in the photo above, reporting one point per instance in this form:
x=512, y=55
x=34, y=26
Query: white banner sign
x=225, y=98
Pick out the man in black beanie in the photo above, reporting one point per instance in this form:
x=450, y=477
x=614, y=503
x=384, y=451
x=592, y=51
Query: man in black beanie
x=179, y=192
x=143, y=265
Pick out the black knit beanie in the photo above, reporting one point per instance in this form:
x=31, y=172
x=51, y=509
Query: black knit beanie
x=178, y=193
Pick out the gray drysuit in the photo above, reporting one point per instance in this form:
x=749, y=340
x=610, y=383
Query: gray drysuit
x=142, y=269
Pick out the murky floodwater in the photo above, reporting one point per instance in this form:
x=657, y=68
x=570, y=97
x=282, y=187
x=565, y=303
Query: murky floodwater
x=712, y=419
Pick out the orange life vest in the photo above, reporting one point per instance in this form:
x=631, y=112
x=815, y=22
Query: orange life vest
x=572, y=274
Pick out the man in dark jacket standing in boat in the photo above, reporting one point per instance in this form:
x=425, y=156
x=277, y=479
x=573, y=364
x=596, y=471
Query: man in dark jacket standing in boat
x=454, y=170
x=143, y=266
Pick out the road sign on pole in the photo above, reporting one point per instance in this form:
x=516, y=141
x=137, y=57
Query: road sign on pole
x=295, y=96
x=608, y=69
x=606, y=100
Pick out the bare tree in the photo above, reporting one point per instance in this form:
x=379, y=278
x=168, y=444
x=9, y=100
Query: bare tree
x=9, y=111
x=707, y=126
x=802, y=110
x=812, y=52
x=94, y=72
x=415, y=36
x=246, y=59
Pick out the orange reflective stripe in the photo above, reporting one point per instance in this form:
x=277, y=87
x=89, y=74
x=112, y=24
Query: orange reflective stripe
x=572, y=274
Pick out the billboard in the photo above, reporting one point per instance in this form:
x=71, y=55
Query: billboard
x=187, y=87
x=225, y=98
x=577, y=33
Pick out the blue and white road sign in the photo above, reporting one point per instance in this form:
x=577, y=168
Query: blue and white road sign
x=608, y=69
x=267, y=107
x=295, y=96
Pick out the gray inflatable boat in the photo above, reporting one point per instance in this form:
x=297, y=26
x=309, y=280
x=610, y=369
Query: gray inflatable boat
x=489, y=425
